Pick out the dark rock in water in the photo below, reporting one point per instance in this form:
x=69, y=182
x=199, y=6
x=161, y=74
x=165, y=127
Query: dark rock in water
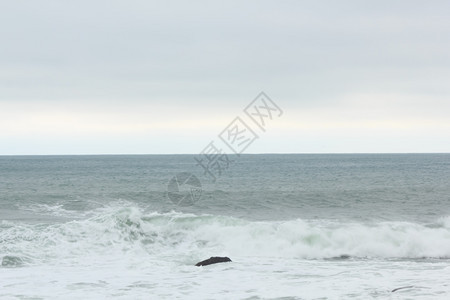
x=340, y=257
x=213, y=260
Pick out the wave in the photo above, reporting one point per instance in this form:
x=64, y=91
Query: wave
x=118, y=231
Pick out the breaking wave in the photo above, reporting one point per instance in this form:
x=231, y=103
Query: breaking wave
x=130, y=231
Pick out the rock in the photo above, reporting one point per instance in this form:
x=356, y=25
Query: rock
x=213, y=260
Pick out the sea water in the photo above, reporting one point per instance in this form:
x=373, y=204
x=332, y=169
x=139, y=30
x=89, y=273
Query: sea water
x=297, y=226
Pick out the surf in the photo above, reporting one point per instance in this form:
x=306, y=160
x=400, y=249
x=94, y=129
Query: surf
x=116, y=231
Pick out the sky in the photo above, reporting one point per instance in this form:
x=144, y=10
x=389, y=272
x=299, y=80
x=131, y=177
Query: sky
x=156, y=77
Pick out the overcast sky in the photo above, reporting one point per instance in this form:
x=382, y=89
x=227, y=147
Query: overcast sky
x=126, y=77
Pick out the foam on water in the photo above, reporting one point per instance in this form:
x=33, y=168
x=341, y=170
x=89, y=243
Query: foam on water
x=126, y=250
x=295, y=226
x=121, y=229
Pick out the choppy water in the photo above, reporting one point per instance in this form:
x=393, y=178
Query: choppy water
x=295, y=226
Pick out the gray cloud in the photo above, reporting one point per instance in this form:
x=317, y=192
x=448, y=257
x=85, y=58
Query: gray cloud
x=112, y=47
x=206, y=54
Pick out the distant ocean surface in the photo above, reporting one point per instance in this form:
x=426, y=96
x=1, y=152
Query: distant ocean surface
x=296, y=226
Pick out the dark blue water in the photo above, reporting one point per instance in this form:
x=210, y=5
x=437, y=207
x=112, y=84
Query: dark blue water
x=96, y=227
x=412, y=187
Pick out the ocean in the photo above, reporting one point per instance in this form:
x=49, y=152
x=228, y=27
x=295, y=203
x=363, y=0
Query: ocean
x=296, y=226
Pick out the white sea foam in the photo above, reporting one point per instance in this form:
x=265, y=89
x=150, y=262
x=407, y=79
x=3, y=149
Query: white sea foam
x=124, y=229
x=125, y=252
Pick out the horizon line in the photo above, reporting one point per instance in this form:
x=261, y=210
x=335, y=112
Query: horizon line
x=265, y=153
